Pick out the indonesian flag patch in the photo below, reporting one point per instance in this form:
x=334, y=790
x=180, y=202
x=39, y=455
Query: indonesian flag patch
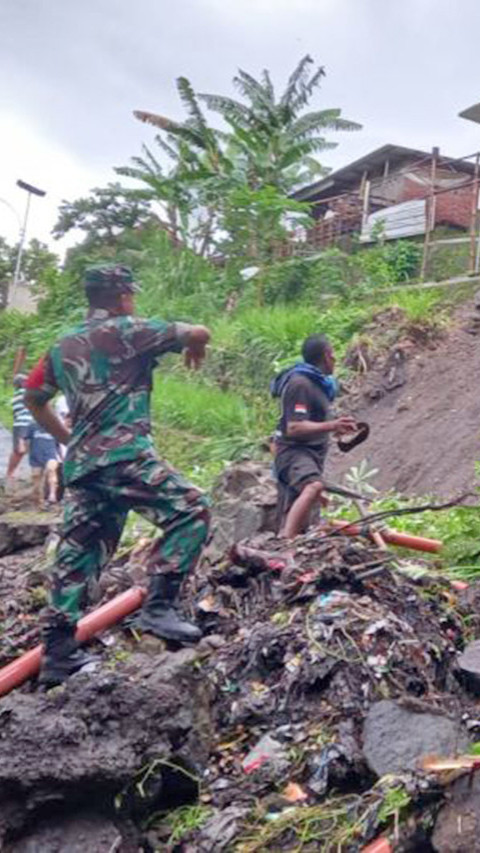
x=300, y=409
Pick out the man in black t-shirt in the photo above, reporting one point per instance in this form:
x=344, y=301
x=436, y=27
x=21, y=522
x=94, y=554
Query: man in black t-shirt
x=306, y=392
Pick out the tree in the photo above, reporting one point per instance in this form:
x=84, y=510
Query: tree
x=258, y=222
x=270, y=143
x=37, y=260
x=276, y=138
x=198, y=167
x=104, y=214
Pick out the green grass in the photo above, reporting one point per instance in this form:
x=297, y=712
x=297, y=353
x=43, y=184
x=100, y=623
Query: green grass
x=458, y=528
x=199, y=407
x=418, y=304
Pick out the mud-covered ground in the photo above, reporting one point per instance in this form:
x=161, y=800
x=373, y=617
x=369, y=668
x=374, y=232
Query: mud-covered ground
x=325, y=677
x=417, y=388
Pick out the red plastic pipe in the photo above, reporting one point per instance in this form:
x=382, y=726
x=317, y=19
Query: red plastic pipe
x=381, y=845
x=28, y=664
x=393, y=537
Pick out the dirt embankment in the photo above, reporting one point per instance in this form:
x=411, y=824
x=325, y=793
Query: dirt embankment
x=421, y=396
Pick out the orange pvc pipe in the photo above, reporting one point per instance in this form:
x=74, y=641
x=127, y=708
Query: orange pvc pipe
x=28, y=664
x=381, y=845
x=393, y=537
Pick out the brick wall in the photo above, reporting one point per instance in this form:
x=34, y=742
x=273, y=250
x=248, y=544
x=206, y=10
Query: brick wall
x=451, y=208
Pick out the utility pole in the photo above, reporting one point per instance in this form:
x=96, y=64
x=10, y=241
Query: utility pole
x=30, y=190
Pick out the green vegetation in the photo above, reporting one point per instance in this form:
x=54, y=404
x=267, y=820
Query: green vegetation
x=458, y=528
x=224, y=412
x=334, y=825
x=208, y=233
x=230, y=190
x=180, y=822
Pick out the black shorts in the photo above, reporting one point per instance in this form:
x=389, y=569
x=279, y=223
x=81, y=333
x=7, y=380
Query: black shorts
x=295, y=467
x=21, y=435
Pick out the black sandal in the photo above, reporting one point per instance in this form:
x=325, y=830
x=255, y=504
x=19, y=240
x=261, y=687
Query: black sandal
x=347, y=444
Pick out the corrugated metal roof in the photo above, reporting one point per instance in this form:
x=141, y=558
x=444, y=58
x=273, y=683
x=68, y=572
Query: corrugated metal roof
x=395, y=154
x=399, y=220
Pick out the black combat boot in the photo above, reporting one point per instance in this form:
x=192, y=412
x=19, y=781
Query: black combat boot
x=62, y=654
x=159, y=614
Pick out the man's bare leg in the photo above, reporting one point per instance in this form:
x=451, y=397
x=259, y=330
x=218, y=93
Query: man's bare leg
x=16, y=457
x=38, y=480
x=51, y=474
x=299, y=513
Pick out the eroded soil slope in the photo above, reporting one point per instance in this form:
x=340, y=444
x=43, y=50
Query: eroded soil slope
x=422, y=400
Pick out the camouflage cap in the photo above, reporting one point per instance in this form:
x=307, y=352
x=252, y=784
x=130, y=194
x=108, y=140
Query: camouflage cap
x=110, y=277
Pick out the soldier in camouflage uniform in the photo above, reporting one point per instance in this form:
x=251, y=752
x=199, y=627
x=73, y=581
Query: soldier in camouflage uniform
x=104, y=368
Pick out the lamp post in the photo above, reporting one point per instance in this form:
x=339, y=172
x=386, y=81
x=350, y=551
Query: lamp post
x=30, y=190
x=472, y=113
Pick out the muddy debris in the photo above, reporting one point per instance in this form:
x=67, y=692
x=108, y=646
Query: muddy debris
x=324, y=675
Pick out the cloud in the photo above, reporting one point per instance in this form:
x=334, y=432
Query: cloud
x=72, y=73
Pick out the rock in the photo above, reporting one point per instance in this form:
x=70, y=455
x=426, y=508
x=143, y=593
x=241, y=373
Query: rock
x=457, y=828
x=77, y=834
x=236, y=478
x=23, y=529
x=95, y=734
x=245, y=505
x=469, y=667
x=395, y=738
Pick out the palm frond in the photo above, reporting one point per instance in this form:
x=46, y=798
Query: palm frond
x=268, y=85
x=227, y=107
x=260, y=96
x=295, y=80
x=190, y=102
x=295, y=153
x=170, y=149
x=304, y=90
x=321, y=120
x=156, y=120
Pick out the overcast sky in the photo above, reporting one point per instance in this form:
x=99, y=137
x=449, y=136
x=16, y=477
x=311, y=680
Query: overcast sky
x=72, y=71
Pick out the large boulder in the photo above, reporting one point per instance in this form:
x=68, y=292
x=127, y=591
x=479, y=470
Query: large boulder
x=108, y=743
x=23, y=529
x=395, y=738
x=245, y=499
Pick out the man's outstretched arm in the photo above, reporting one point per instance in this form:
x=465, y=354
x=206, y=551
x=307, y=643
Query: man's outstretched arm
x=194, y=340
x=307, y=430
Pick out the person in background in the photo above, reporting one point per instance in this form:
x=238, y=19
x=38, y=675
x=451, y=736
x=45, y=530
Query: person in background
x=105, y=368
x=22, y=428
x=306, y=392
x=44, y=462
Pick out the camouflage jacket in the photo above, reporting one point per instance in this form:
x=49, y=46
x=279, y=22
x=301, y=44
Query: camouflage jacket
x=104, y=367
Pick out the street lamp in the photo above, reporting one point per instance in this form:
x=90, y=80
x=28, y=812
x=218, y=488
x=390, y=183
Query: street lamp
x=30, y=190
x=472, y=113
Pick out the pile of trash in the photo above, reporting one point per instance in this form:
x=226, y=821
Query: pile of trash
x=332, y=702
x=334, y=676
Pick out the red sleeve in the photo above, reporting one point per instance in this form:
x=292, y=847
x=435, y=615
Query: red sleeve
x=36, y=377
x=40, y=384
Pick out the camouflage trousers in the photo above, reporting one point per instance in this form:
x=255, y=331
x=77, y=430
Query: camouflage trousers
x=95, y=513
